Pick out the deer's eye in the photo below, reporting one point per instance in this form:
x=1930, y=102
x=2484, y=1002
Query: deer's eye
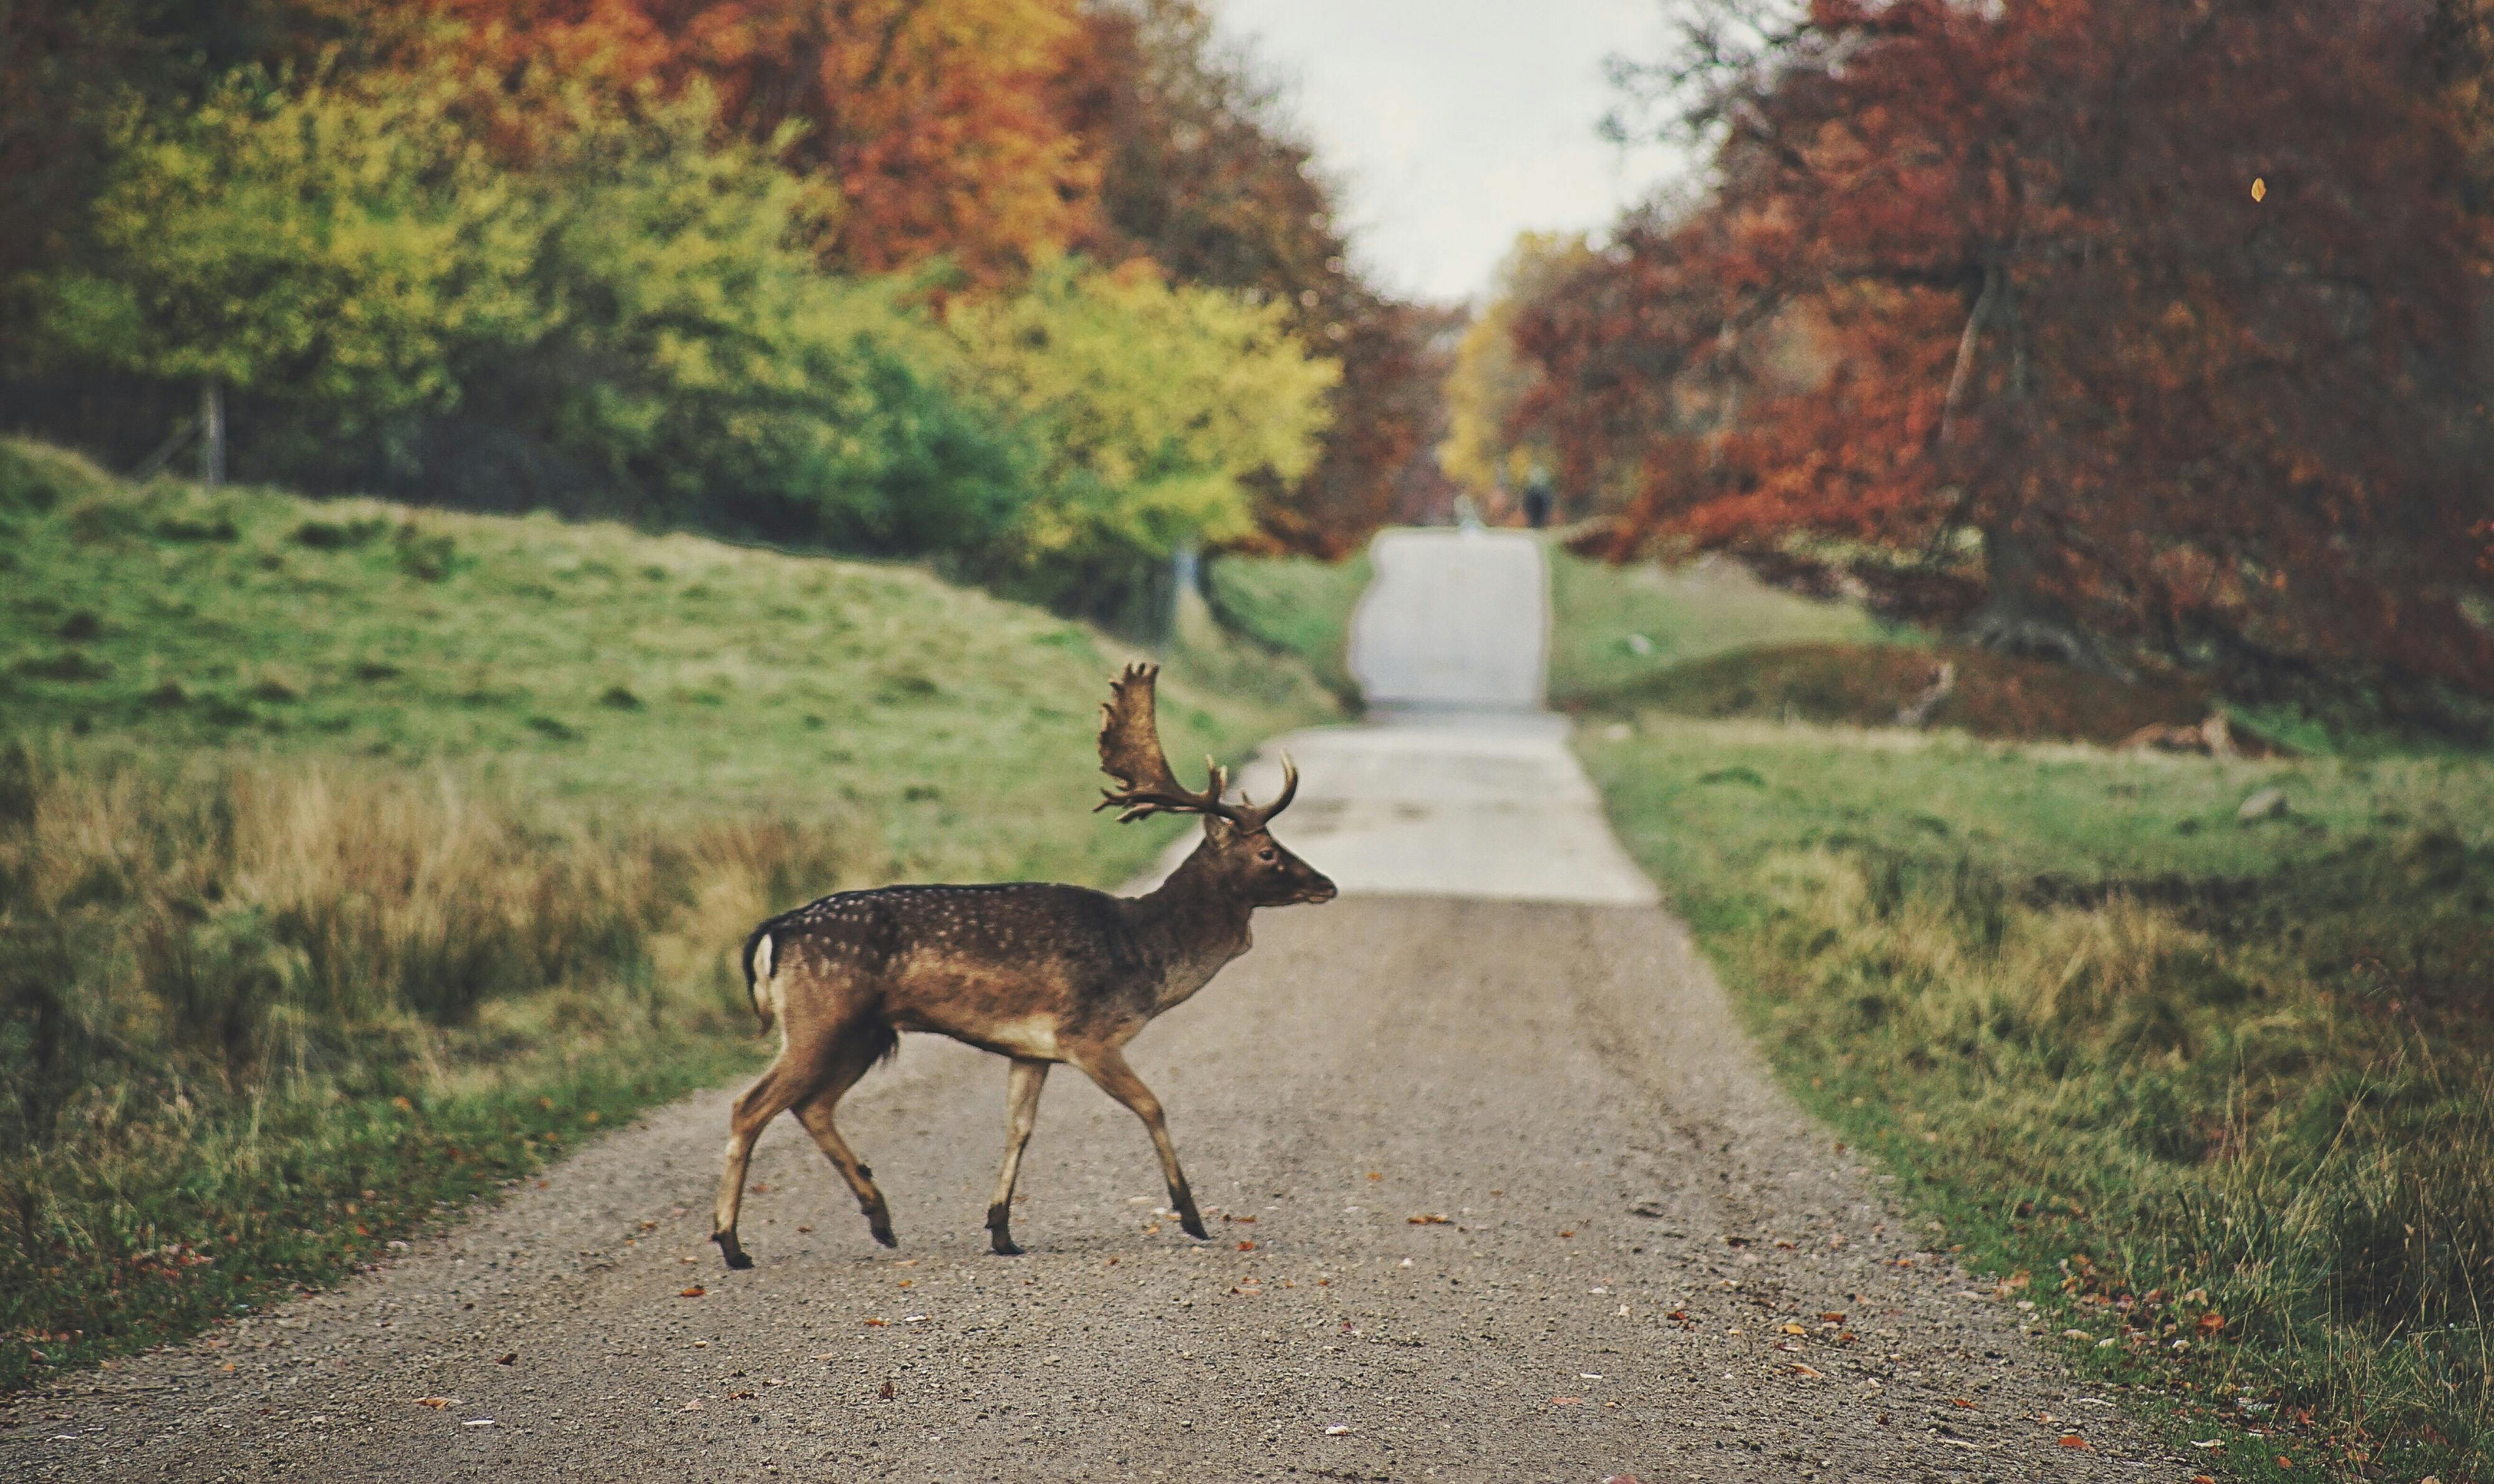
x=1268, y=855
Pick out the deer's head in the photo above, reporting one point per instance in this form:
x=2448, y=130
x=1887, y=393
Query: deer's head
x=1238, y=851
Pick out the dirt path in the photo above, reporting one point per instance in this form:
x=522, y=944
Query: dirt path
x=1498, y=1193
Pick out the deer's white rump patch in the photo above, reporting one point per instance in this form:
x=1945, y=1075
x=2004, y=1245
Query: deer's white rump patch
x=761, y=985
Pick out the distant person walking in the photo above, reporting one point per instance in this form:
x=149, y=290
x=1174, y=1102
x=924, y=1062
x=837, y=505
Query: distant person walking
x=1536, y=499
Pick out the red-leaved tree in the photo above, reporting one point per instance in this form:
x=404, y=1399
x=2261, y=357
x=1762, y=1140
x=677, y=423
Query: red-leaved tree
x=2172, y=301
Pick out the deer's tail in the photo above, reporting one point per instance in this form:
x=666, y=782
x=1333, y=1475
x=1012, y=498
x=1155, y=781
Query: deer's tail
x=760, y=960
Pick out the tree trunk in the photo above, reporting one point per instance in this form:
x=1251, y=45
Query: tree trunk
x=2019, y=618
x=212, y=434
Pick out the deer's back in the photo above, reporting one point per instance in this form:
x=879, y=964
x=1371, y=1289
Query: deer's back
x=1010, y=968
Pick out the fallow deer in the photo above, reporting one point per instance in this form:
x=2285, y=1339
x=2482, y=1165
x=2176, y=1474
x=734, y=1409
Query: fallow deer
x=1036, y=974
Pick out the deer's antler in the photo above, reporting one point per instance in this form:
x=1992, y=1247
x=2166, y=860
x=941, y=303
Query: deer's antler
x=1253, y=816
x=1130, y=753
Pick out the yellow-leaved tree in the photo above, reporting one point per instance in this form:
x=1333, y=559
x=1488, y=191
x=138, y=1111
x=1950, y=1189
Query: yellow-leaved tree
x=1489, y=380
x=1155, y=408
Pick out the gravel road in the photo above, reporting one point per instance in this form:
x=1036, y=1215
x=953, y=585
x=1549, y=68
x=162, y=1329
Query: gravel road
x=1497, y=1191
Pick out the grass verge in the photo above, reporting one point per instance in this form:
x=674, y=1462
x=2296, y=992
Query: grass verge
x=1292, y=605
x=1614, y=628
x=2216, y=1097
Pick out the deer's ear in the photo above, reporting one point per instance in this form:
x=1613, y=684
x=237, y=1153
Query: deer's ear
x=1219, y=830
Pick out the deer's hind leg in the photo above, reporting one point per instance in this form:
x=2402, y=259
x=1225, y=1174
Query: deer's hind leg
x=857, y=1052
x=783, y=1084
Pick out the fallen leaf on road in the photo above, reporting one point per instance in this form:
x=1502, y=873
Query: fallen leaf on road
x=1831, y=1319
x=510, y=1359
x=740, y=1395
x=1796, y=1329
x=886, y=1392
x=878, y=1324
x=695, y=1405
x=1567, y=1401
x=1246, y=1246
x=2074, y=1440
x=435, y=1403
x=695, y=1292
x=1428, y=1221
x=1959, y=1402
x=1337, y=1430
x=1375, y=1176
x=1806, y=1372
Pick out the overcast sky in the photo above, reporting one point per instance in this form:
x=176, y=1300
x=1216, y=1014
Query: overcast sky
x=1454, y=124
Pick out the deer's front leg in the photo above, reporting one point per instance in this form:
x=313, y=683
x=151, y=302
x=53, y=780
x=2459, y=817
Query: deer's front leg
x=1022, y=1101
x=1110, y=1071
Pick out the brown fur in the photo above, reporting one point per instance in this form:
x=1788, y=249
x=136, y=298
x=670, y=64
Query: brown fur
x=1036, y=974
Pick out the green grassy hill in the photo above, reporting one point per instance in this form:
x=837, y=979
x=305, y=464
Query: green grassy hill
x=357, y=858
x=590, y=662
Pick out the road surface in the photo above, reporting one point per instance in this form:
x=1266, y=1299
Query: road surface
x=1497, y=1191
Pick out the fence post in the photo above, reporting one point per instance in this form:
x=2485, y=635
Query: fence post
x=1186, y=578
x=212, y=433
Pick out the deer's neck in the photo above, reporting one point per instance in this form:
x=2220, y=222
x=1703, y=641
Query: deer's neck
x=1190, y=927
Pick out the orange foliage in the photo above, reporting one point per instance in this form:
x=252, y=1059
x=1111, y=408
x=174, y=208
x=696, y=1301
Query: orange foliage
x=940, y=124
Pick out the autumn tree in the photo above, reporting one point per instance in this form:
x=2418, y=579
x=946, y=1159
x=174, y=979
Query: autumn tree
x=1156, y=412
x=2171, y=304
x=936, y=127
x=1487, y=385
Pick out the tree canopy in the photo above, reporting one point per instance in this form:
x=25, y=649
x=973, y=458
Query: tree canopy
x=2173, y=306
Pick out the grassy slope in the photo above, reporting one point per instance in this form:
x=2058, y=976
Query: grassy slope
x=2157, y=1067
x=278, y=745
x=1295, y=605
x=1599, y=610
x=594, y=663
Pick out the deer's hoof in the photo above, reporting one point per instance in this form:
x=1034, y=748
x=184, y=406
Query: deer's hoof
x=1193, y=1226
x=884, y=1236
x=1002, y=1243
x=729, y=1248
